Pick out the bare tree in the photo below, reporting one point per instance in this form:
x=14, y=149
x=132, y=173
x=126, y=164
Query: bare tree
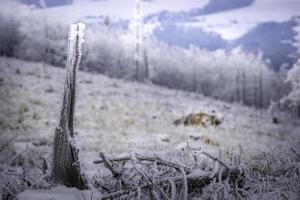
x=66, y=167
x=244, y=95
x=237, y=80
x=146, y=64
x=140, y=52
x=260, y=88
x=137, y=51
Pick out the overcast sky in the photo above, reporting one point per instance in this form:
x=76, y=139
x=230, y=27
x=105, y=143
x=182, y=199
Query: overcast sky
x=229, y=24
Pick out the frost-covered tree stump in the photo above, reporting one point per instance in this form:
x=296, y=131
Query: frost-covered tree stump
x=66, y=168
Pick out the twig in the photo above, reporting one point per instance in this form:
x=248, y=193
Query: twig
x=173, y=189
x=116, y=173
x=92, y=195
x=40, y=179
x=83, y=196
x=139, y=193
x=295, y=152
x=108, y=164
x=8, y=190
x=184, y=185
x=158, y=161
x=7, y=143
x=215, y=159
x=150, y=182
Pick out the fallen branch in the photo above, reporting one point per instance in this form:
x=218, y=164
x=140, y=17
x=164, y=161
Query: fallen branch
x=193, y=182
x=158, y=161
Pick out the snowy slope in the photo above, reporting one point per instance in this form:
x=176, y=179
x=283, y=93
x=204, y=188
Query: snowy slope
x=117, y=116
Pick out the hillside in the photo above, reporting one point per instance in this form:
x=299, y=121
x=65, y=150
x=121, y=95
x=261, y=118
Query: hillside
x=116, y=117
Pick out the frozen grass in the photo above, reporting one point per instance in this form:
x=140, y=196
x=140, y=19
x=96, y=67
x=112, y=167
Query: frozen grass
x=118, y=117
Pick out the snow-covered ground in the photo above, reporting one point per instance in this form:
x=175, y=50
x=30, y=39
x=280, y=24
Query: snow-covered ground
x=118, y=117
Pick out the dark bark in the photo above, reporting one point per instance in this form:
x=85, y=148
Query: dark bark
x=66, y=168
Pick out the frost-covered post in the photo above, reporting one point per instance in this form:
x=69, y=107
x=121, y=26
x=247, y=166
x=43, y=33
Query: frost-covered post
x=66, y=167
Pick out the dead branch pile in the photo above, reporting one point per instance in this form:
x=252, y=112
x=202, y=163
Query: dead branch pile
x=150, y=177
x=145, y=177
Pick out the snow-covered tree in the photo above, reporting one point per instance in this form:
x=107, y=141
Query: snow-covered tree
x=140, y=53
x=297, y=36
x=293, y=76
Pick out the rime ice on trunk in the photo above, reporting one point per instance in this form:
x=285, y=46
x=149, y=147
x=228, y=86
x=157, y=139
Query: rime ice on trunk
x=137, y=55
x=140, y=53
x=66, y=168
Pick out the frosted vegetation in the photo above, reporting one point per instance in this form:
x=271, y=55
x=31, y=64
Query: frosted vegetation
x=130, y=147
x=292, y=99
x=120, y=117
x=33, y=36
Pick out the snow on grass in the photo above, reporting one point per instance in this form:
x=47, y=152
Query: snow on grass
x=118, y=117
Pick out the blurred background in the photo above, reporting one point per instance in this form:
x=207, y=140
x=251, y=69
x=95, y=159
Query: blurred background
x=233, y=50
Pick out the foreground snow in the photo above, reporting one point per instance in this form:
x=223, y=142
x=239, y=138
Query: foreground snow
x=119, y=117
x=57, y=193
